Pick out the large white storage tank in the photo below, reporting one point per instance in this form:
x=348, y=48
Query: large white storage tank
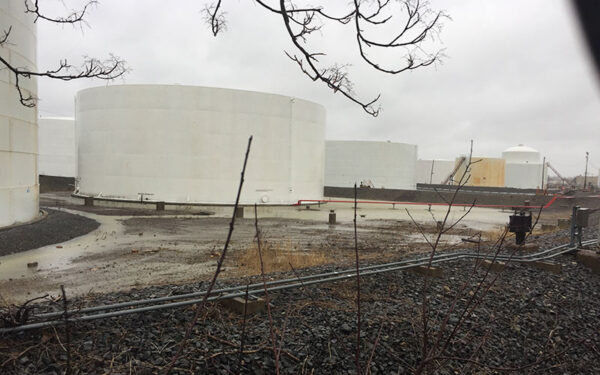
x=57, y=147
x=524, y=168
x=433, y=171
x=387, y=165
x=19, y=190
x=187, y=144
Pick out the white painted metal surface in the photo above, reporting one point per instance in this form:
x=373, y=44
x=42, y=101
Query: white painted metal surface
x=187, y=144
x=521, y=154
x=19, y=190
x=525, y=176
x=524, y=168
x=384, y=164
x=441, y=170
x=57, y=147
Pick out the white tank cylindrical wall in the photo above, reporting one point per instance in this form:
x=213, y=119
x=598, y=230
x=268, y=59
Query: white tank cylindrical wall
x=57, y=147
x=19, y=189
x=525, y=176
x=384, y=164
x=187, y=144
x=433, y=171
x=524, y=168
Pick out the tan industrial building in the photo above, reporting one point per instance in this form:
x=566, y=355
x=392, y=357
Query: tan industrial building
x=483, y=171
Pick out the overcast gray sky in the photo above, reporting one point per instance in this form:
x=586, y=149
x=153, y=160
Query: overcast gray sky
x=516, y=72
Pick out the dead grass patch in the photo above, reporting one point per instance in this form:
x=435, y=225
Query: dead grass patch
x=278, y=257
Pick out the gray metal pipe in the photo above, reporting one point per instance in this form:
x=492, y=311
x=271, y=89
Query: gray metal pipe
x=255, y=285
x=333, y=276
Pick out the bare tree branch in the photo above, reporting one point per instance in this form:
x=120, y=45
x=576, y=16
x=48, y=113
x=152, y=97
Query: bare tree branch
x=72, y=18
x=421, y=24
x=216, y=18
x=108, y=69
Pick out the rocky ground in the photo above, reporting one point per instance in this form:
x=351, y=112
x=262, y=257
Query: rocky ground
x=523, y=321
x=57, y=227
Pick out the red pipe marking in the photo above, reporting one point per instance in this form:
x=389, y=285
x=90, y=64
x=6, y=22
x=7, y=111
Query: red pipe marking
x=550, y=203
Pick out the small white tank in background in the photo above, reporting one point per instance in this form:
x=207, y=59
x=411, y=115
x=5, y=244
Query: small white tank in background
x=524, y=168
x=387, y=165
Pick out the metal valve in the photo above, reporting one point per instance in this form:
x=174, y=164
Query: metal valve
x=520, y=225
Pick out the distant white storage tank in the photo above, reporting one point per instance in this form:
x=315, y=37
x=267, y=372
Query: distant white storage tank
x=379, y=164
x=433, y=171
x=187, y=144
x=524, y=168
x=19, y=190
x=57, y=147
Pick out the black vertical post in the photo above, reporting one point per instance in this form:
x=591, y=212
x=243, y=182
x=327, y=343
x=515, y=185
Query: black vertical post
x=587, y=155
x=573, y=225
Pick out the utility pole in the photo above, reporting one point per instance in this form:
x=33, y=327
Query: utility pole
x=543, y=173
x=587, y=155
x=431, y=175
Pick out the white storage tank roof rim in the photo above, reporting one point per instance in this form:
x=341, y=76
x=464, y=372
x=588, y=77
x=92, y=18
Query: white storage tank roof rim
x=521, y=154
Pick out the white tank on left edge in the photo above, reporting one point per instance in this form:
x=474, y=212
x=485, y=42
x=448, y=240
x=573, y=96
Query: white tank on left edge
x=19, y=189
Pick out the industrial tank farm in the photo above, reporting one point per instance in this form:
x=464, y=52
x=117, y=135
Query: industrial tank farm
x=186, y=144
x=524, y=168
x=376, y=164
x=57, y=148
x=19, y=191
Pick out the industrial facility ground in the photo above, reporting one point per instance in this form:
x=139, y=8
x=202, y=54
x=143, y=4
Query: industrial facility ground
x=135, y=247
x=532, y=320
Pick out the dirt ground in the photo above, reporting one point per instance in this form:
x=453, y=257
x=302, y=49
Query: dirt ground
x=133, y=248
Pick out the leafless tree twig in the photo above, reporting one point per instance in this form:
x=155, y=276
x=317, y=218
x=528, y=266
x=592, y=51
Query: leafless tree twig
x=366, y=18
x=267, y=300
x=201, y=305
x=72, y=18
x=108, y=69
x=67, y=329
x=358, y=312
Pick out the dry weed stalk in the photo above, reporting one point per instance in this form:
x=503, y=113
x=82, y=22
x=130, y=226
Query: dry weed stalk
x=357, y=359
x=67, y=329
x=201, y=305
x=267, y=300
x=243, y=338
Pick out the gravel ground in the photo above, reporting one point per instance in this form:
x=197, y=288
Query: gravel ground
x=529, y=321
x=57, y=227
